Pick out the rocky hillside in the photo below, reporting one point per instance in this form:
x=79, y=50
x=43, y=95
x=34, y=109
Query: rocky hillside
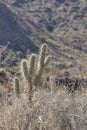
x=62, y=24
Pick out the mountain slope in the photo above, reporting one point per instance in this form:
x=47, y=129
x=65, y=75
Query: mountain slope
x=11, y=32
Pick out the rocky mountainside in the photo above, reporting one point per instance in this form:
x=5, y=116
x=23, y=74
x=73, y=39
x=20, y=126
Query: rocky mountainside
x=61, y=24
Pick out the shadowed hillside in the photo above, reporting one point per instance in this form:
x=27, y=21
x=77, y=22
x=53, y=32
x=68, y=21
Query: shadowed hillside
x=11, y=32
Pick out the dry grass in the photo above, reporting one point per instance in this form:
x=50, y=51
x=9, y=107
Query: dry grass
x=48, y=111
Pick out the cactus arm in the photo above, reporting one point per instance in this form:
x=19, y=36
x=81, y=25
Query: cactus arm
x=38, y=77
x=31, y=71
x=24, y=69
x=47, y=60
x=31, y=65
x=42, y=55
x=17, y=86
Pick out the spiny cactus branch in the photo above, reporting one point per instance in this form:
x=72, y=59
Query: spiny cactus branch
x=24, y=69
x=17, y=86
x=32, y=65
x=42, y=55
x=47, y=60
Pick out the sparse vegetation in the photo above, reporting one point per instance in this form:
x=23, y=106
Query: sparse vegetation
x=36, y=95
x=49, y=110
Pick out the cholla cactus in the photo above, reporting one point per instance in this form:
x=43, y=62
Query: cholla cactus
x=17, y=87
x=30, y=73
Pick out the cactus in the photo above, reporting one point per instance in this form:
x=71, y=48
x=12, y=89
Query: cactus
x=17, y=87
x=29, y=71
